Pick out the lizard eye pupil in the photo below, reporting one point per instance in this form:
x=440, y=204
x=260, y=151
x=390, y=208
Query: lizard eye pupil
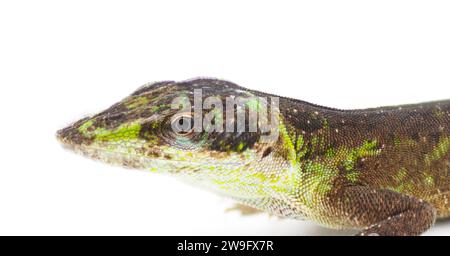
x=184, y=121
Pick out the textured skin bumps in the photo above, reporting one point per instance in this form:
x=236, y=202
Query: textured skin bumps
x=384, y=170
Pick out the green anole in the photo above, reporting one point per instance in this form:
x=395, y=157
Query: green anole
x=384, y=171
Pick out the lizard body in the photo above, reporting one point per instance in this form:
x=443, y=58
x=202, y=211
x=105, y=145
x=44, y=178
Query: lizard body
x=382, y=170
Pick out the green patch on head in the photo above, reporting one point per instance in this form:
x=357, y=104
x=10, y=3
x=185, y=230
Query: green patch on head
x=136, y=102
x=124, y=132
x=127, y=131
x=84, y=128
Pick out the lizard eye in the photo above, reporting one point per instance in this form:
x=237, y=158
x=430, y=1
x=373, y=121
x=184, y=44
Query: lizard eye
x=181, y=134
x=183, y=125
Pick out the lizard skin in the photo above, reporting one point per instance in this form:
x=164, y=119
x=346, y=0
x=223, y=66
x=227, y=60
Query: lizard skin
x=383, y=171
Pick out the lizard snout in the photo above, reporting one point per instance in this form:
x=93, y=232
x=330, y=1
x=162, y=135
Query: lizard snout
x=71, y=136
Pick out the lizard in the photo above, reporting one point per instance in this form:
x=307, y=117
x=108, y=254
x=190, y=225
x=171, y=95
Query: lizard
x=381, y=171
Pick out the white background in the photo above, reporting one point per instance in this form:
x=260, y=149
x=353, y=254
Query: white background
x=61, y=60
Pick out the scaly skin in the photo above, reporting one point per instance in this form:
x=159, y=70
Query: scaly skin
x=384, y=171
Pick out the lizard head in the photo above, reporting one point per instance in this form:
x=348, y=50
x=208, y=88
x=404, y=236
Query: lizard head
x=154, y=129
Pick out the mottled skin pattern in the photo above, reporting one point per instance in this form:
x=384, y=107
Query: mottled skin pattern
x=384, y=171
